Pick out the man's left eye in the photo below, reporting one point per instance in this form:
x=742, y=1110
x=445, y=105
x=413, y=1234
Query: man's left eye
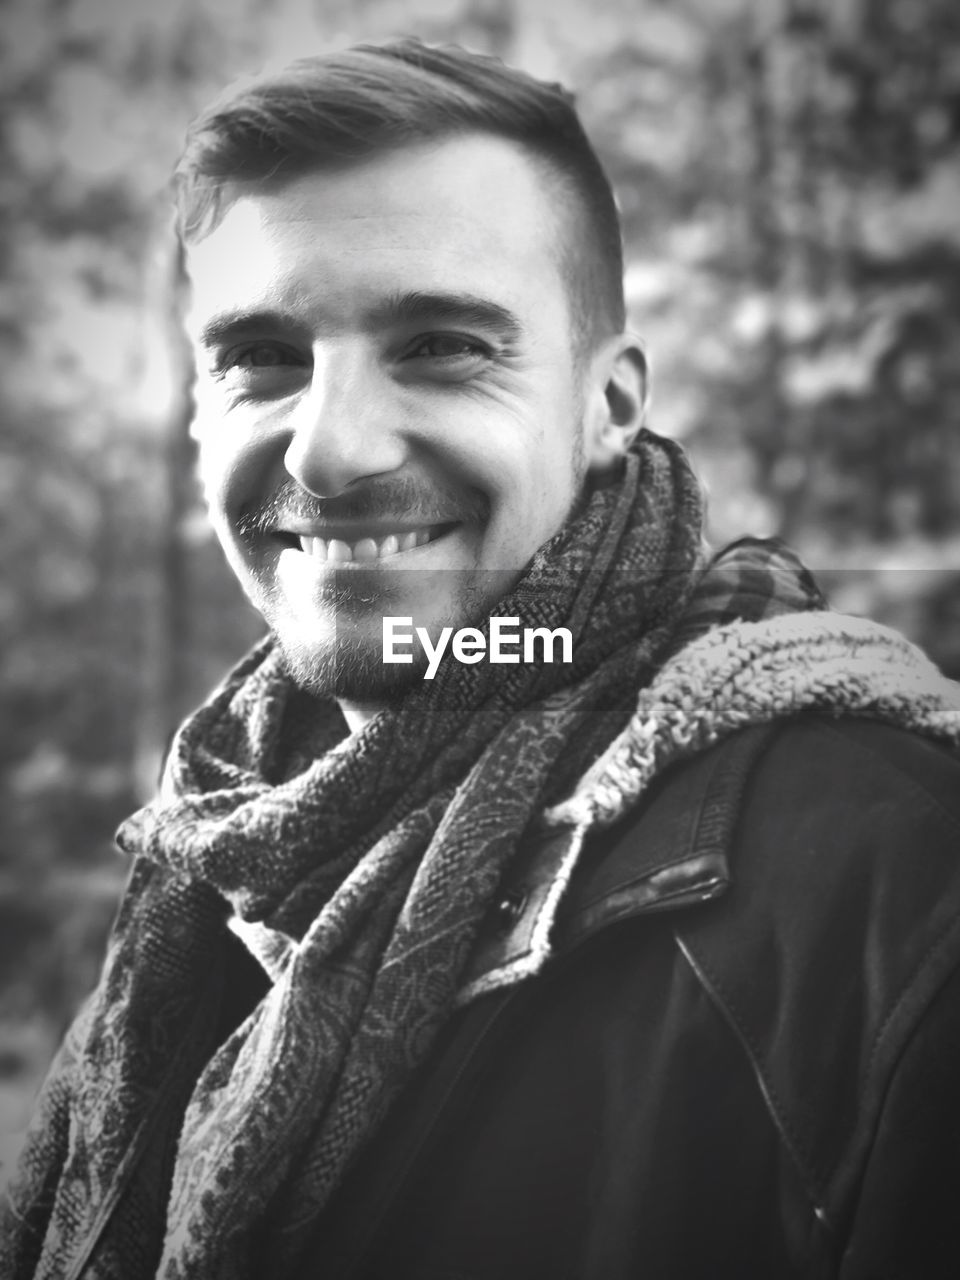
x=445, y=346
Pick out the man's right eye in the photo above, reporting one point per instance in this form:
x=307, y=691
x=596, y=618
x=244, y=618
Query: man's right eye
x=258, y=355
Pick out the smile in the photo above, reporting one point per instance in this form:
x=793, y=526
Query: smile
x=342, y=551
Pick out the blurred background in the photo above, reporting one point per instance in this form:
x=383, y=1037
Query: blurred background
x=789, y=180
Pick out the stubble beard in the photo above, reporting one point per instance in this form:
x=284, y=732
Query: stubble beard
x=347, y=663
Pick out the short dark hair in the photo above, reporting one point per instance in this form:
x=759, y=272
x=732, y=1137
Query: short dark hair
x=337, y=108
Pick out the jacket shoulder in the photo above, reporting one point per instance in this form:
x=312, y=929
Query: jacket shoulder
x=841, y=926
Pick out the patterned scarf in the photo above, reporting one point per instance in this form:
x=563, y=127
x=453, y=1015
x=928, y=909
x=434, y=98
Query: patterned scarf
x=361, y=869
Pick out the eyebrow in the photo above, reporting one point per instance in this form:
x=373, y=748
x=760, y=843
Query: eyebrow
x=412, y=307
x=465, y=308
x=234, y=324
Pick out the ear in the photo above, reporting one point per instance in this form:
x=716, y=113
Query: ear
x=619, y=403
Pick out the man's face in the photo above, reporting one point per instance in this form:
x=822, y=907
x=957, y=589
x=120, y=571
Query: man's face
x=390, y=415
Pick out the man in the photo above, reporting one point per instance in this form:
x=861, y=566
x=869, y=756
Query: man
x=636, y=958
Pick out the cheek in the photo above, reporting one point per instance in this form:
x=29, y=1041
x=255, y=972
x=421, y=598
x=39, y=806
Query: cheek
x=234, y=460
x=526, y=467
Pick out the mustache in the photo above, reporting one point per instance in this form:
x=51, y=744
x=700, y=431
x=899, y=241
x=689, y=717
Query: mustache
x=379, y=499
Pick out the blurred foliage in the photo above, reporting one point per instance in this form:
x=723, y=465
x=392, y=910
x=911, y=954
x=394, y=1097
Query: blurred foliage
x=789, y=180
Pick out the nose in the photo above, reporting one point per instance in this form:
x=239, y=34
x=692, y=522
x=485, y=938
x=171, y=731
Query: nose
x=346, y=426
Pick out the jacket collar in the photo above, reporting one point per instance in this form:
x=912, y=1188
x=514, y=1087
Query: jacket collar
x=671, y=851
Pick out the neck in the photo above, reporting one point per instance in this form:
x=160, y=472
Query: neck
x=357, y=714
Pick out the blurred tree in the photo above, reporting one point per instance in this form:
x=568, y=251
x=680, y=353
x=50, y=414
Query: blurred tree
x=789, y=175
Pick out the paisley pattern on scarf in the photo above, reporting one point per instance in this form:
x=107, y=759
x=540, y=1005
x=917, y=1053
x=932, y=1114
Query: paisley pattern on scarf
x=365, y=867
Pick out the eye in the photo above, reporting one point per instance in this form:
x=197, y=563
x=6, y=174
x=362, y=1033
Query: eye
x=446, y=346
x=259, y=355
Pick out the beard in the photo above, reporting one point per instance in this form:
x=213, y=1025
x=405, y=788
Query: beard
x=347, y=670
x=341, y=657
x=344, y=658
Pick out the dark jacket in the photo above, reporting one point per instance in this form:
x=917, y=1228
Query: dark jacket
x=743, y=1061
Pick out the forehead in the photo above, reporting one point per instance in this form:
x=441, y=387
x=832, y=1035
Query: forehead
x=472, y=213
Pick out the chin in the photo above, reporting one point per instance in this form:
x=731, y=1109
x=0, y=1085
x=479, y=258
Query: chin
x=348, y=669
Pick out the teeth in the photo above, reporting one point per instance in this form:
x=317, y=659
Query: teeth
x=314, y=547
x=336, y=551
x=365, y=549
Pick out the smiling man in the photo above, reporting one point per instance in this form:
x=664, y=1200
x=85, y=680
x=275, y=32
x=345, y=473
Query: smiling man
x=640, y=962
x=393, y=415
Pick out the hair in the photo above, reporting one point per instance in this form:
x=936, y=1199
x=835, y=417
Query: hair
x=335, y=109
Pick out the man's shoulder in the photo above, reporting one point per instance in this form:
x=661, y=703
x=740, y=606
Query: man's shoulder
x=840, y=927
x=811, y=870
x=833, y=767
x=781, y=807
x=846, y=844
x=776, y=814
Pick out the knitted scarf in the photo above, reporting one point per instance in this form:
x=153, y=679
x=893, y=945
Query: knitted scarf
x=365, y=866
x=361, y=869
